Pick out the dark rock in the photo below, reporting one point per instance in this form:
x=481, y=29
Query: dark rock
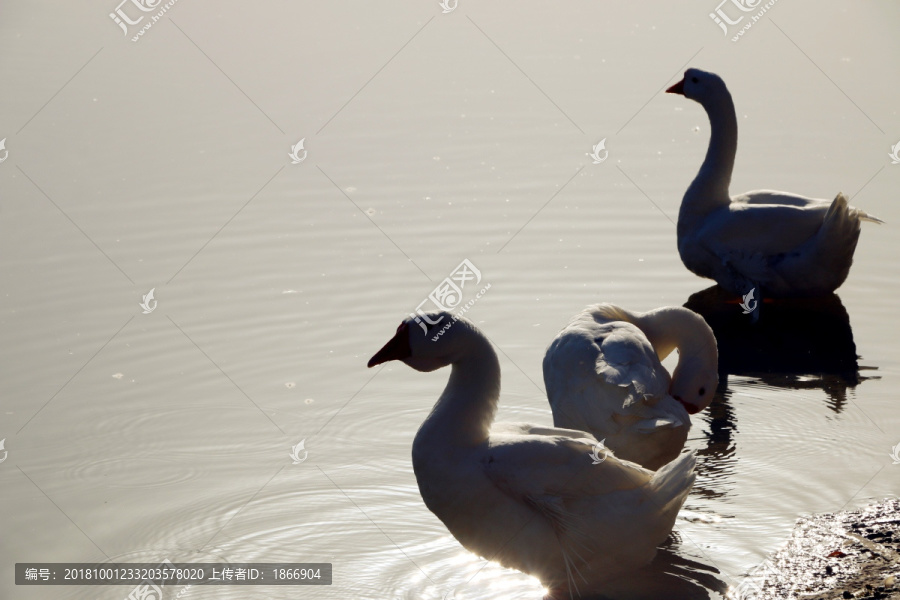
x=802, y=570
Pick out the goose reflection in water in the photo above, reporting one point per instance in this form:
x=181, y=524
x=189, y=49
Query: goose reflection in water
x=672, y=575
x=796, y=343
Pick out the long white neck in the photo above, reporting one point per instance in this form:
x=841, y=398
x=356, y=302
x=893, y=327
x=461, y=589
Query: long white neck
x=709, y=190
x=463, y=415
x=672, y=327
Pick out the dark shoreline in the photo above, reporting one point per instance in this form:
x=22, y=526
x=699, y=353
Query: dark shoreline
x=848, y=554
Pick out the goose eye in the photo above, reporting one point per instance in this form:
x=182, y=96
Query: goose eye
x=694, y=79
x=702, y=391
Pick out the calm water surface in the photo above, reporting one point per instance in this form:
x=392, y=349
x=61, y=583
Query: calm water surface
x=163, y=164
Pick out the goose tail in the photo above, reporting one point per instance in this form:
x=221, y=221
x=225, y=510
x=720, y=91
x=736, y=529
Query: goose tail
x=840, y=228
x=864, y=216
x=673, y=482
x=840, y=210
x=841, y=204
x=822, y=263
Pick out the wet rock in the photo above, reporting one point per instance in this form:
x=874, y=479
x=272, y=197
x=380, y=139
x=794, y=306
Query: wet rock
x=848, y=554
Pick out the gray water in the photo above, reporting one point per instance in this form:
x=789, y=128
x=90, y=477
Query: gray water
x=431, y=138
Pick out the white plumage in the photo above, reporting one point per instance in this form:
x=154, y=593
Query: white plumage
x=603, y=375
x=783, y=244
x=529, y=497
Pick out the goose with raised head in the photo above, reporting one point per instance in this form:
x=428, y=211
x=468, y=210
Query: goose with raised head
x=549, y=502
x=783, y=244
x=603, y=374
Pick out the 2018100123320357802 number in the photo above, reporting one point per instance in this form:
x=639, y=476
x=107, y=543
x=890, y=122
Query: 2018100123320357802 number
x=172, y=574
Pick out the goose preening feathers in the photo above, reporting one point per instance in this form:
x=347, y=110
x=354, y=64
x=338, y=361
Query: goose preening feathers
x=603, y=375
x=532, y=498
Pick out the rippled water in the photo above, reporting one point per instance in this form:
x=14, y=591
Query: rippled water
x=163, y=164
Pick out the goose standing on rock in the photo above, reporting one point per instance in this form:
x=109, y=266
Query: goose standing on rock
x=603, y=375
x=549, y=502
x=783, y=244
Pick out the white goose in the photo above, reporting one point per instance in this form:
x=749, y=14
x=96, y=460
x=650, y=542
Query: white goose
x=603, y=375
x=784, y=244
x=529, y=497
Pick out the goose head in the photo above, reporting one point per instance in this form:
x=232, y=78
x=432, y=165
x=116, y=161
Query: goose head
x=695, y=379
x=419, y=349
x=700, y=86
x=696, y=375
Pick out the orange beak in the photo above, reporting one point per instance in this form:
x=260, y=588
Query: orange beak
x=397, y=347
x=678, y=88
x=692, y=410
